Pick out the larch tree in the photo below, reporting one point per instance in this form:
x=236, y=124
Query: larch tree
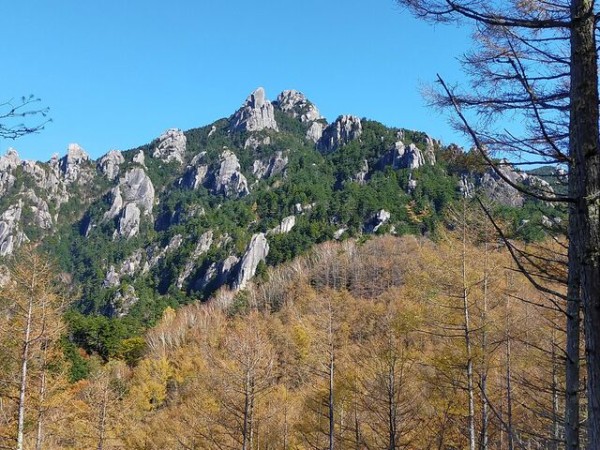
x=538, y=62
x=30, y=326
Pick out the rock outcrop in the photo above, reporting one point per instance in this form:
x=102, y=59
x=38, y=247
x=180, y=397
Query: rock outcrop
x=72, y=165
x=345, y=129
x=122, y=302
x=10, y=234
x=296, y=105
x=286, y=225
x=195, y=173
x=171, y=146
x=110, y=164
x=315, y=132
x=256, y=114
x=499, y=190
x=8, y=163
x=402, y=157
x=133, y=196
x=229, y=180
x=257, y=251
x=379, y=219
x=276, y=165
x=204, y=243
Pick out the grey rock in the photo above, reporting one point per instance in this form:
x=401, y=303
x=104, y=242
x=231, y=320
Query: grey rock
x=257, y=251
x=412, y=185
x=40, y=211
x=195, y=173
x=112, y=278
x=429, y=153
x=110, y=163
x=72, y=165
x=277, y=164
x=155, y=256
x=10, y=235
x=256, y=114
x=361, y=176
x=344, y=130
x=137, y=187
x=212, y=131
x=379, y=219
x=10, y=160
x=229, y=181
x=123, y=301
x=339, y=233
x=8, y=163
x=296, y=105
x=203, y=245
x=132, y=264
x=171, y=146
x=497, y=189
x=116, y=205
x=259, y=169
x=402, y=157
x=140, y=158
x=129, y=223
x=253, y=142
x=546, y=222
x=286, y=225
x=315, y=132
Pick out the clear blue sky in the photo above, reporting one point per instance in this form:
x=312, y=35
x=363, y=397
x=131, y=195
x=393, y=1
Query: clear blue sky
x=116, y=74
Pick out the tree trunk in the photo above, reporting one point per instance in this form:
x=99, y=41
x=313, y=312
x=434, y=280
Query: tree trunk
x=467, y=331
x=572, y=351
x=24, y=366
x=584, y=151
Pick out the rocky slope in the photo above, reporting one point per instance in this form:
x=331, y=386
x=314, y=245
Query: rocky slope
x=177, y=218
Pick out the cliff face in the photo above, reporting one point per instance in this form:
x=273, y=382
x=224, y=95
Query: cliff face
x=195, y=211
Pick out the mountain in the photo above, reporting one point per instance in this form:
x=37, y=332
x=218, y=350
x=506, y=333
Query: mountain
x=172, y=221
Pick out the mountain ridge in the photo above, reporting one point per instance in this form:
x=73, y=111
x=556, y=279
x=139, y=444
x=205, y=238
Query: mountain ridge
x=172, y=221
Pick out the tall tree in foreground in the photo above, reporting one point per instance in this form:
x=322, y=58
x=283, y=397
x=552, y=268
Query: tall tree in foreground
x=539, y=62
x=30, y=324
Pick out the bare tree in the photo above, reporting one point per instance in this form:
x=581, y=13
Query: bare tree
x=538, y=61
x=14, y=111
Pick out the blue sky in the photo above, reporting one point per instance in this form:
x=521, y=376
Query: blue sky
x=116, y=74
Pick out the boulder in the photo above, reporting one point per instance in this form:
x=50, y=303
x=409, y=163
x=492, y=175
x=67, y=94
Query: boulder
x=256, y=114
x=344, y=130
x=401, y=157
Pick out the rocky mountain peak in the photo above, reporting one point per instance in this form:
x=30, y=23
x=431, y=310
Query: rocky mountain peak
x=71, y=165
x=256, y=114
x=109, y=164
x=345, y=129
x=296, y=105
x=10, y=160
x=171, y=146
